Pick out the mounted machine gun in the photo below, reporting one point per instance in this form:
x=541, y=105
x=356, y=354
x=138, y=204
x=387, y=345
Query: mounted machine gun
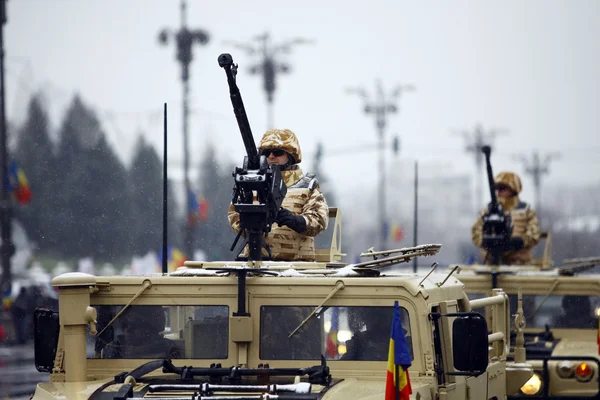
x=497, y=226
x=255, y=179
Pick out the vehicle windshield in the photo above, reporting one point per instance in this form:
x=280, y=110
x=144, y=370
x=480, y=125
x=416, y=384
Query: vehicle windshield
x=558, y=311
x=155, y=331
x=339, y=333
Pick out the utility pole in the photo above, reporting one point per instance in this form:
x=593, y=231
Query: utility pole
x=7, y=249
x=381, y=107
x=184, y=39
x=269, y=65
x=537, y=168
x=475, y=141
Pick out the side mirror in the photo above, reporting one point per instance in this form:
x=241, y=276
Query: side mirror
x=470, y=343
x=46, y=327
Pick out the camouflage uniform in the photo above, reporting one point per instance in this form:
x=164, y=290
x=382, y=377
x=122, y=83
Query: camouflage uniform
x=524, y=221
x=303, y=198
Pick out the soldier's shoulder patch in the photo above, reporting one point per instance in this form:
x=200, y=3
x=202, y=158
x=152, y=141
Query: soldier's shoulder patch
x=308, y=181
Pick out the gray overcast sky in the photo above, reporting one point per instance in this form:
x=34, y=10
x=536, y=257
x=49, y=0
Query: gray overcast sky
x=529, y=67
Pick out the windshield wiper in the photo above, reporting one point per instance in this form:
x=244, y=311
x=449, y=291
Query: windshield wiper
x=554, y=285
x=338, y=286
x=145, y=286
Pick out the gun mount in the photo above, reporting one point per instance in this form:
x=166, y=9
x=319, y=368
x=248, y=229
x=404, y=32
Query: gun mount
x=497, y=226
x=255, y=180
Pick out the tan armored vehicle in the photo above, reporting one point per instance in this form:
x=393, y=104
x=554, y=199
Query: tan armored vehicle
x=561, y=307
x=247, y=330
x=254, y=329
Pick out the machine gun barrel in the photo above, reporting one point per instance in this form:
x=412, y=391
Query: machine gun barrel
x=226, y=62
x=487, y=150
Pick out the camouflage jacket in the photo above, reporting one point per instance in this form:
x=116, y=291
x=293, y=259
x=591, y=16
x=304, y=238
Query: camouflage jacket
x=525, y=225
x=303, y=198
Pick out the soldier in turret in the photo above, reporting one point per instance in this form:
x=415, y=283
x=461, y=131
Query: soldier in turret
x=525, y=226
x=304, y=212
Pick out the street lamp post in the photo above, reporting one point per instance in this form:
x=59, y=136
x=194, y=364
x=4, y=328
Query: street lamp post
x=537, y=168
x=185, y=38
x=381, y=107
x=7, y=249
x=269, y=65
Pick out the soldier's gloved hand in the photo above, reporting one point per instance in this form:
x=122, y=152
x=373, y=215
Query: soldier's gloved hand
x=295, y=222
x=515, y=243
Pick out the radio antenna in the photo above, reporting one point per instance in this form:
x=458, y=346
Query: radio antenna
x=164, y=241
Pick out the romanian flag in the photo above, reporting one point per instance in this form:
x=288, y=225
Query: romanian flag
x=203, y=210
x=397, y=233
x=397, y=383
x=196, y=211
x=175, y=258
x=332, y=341
x=19, y=184
x=193, y=207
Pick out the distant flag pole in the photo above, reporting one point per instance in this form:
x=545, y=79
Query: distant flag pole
x=397, y=383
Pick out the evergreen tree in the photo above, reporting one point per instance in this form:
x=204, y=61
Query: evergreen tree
x=214, y=235
x=65, y=196
x=146, y=182
x=34, y=154
x=107, y=210
x=92, y=207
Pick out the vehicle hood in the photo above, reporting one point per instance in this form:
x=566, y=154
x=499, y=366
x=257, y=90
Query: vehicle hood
x=354, y=389
x=571, y=347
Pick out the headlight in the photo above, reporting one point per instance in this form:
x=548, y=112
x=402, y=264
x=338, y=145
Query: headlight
x=565, y=369
x=584, y=372
x=533, y=385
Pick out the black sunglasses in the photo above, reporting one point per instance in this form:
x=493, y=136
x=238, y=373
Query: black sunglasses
x=276, y=152
x=502, y=187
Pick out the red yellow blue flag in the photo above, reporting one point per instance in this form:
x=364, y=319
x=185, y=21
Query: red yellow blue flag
x=18, y=184
x=192, y=208
x=332, y=341
x=397, y=383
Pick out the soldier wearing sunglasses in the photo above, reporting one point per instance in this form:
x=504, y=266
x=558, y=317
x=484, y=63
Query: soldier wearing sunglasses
x=525, y=231
x=304, y=212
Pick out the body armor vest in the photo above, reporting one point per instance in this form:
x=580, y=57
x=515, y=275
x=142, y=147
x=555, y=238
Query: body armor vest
x=285, y=243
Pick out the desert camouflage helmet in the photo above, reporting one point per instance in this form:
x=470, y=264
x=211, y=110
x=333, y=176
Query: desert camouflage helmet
x=511, y=180
x=283, y=139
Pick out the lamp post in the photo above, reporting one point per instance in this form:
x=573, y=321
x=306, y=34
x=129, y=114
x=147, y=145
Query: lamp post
x=7, y=249
x=184, y=39
x=380, y=108
x=537, y=167
x=269, y=64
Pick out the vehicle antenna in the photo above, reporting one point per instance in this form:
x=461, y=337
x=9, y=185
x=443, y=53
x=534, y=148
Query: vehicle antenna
x=164, y=241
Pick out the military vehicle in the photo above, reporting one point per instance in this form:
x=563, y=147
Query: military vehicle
x=248, y=330
x=561, y=308
x=254, y=328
